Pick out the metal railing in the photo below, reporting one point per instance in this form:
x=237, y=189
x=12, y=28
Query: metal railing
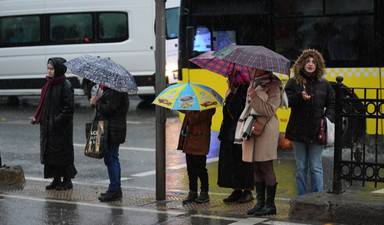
x=358, y=149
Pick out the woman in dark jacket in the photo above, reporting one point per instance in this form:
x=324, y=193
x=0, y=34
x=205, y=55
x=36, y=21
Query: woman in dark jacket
x=233, y=172
x=311, y=97
x=112, y=106
x=55, y=115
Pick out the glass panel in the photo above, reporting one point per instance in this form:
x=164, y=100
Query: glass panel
x=172, y=16
x=349, y=6
x=70, y=28
x=343, y=41
x=113, y=26
x=220, y=39
x=19, y=30
x=299, y=7
x=202, y=41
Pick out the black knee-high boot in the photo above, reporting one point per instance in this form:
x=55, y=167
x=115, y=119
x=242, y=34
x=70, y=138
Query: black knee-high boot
x=269, y=207
x=260, y=196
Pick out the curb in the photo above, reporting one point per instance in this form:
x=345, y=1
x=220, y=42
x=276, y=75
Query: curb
x=349, y=207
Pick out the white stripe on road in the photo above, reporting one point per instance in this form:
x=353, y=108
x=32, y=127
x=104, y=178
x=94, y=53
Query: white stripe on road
x=249, y=221
x=152, y=172
x=380, y=191
x=124, y=148
x=99, y=205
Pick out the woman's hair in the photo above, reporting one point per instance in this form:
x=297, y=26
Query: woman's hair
x=236, y=78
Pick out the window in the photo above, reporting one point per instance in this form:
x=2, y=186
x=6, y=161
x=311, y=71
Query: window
x=70, y=28
x=19, y=31
x=113, y=26
x=344, y=34
x=172, y=16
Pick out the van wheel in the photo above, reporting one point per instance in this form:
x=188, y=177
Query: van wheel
x=147, y=98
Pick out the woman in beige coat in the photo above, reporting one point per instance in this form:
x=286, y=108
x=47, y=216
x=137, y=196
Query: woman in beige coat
x=264, y=98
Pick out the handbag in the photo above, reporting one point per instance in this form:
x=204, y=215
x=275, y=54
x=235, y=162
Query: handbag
x=96, y=133
x=257, y=128
x=322, y=136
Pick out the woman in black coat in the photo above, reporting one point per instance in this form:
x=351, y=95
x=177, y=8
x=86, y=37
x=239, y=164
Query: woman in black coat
x=112, y=106
x=311, y=97
x=55, y=115
x=233, y=172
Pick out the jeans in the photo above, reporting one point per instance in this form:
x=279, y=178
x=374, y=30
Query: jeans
x=111, y=160
x=308, y=155
x=196, y=168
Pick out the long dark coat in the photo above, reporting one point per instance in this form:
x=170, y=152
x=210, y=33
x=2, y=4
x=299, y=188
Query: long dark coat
x=233, y=172
x=304, y=121
x=198, y=135
x=56, y=126
x=112, y=106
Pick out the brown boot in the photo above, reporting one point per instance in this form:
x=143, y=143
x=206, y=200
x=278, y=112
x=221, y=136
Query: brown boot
x=233, y=197
x=245, y=197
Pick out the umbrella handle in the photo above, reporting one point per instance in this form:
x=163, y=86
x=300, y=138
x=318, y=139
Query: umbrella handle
x=97, y=92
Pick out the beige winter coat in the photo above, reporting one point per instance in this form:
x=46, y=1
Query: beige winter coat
x=265, y=103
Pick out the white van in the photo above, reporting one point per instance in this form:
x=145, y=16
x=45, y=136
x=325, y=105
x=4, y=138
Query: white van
x=33, y=31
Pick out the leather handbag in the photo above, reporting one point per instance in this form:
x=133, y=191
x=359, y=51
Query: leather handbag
x=257, y=128
x=96, y=133
x=322, y=136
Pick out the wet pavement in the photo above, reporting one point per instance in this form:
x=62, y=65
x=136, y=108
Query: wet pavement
x=30, y=203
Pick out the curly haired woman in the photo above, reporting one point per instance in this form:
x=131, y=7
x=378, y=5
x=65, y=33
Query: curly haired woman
x=311, y=97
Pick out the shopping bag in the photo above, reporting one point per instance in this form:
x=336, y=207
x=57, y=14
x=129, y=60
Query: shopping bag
x=330, y=132
x=96, y=146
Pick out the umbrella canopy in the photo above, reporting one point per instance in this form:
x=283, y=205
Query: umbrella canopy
x=188, y=96
x=252, y=56
x=103, y=71
x=212, y=63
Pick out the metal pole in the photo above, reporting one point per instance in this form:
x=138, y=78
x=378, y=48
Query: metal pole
x=160, y=112
x=337, y=185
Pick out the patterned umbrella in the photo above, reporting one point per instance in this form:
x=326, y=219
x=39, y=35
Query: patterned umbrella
x=188, y=96
x=258, y=57
x=103, y=71
x=209, y=62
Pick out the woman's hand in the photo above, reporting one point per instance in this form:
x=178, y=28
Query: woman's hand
x=93, y=100
x=251, y=92
x=305, y=95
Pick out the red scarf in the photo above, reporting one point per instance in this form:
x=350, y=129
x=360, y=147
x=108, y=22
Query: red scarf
x=39, y=111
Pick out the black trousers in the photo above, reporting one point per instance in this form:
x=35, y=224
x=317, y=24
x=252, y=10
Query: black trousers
x=196, y=167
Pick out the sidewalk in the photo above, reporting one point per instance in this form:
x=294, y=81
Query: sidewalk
x=317, y=208
x=145, y=199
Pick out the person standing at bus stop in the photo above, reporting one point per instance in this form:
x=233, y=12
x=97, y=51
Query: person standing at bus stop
x=310, y=97
x=55, y=116
x=112, y=106
x=263, y=100
x=233, y=172
x=194, y=140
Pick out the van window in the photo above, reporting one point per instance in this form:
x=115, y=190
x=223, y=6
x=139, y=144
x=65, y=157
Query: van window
x=113, y=26
x=70, y=28
x=19, y=30
x=172, y=16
